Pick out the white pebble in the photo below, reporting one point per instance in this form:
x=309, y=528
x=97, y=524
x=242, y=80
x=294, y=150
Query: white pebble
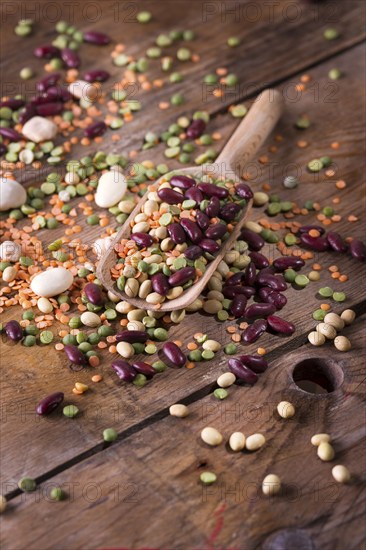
x=237, y=441
x=271, y=485
x=225, y=380
x=211, y=436
x=90, y=319
x=325, y=451
x=320, y=438
x=178, y=410
x=255, y=442
x=285, y=409
x=10, y=251
x=316, y=338
x=83, y=90
x=341, y=473
x=44, y=305
x=12, y=194
x=64, y=196
x=125, y=349
x=9, y=274
x=111, y=189
x=52, y=282
x=39, y=129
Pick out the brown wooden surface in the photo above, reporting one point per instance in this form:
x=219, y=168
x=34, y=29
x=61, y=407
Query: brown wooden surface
x=146, y=485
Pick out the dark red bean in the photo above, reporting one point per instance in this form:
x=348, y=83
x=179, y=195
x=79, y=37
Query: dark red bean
x=48, y=81
x=196, y=128
x=203, y=221
x=75, y=355
x=96, y=75
x=250, y=274
x=358, y=250
x=98, y=38
x=242, y=372
x=255, y=362
x=231, y=291
x=238, y=305
x=280, y=326
x=216, y=231
x=174, y=354
x=272, y=297
x=10, y=134
x=41, y=99
x=142, y=239
x=95, y=129
x=13, y=104
x=259, y=311
x=49, y=403
x=229, y=212
x=270, y=270
x=254, y=331
x=235, y=279
x=176, y=233
x=170, y=196
x=243, y=191
x=289, y=262
x=160, y=284
x=182, y=276
x=307, y=228
x=93, y=292
x=3, y=149
x=212, y=190
x=14, y=331
x=319, y=244
x=255, y=241
x=259, y=260
x=336, y=242
x=50, y=109
x=57, y=93
x=27, y=113
x=47, y=51
x=182, y=182
x=210, y=246
x=194, y=194
x=70, y=58
x=192, y=230
x=193, y=252
x=123, y=370
x=144, y=368
x=132, y=336
x=213, y=207
x=275, y=282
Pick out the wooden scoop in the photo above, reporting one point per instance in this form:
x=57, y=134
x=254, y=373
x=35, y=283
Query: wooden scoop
x=241, y=147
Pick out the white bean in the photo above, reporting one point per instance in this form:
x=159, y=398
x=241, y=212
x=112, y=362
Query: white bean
x=237, y=441
x=341, y=473
x=285, y=409
x=348, y=316
x=342, y=343
x=320, y=438
x=271, y=485
x=178, y=410
x=255, y=442
x=125, y=349
x=211, y=436
x=316, y=338
x=226, y=380
x=325, y=451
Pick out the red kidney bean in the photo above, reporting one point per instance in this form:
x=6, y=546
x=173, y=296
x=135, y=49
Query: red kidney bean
x=280, y=326
x=193, y=252
x=212, y=190
x=250, y=274
x=244, y=191
x=319, y=244
x=10, y=134
x=213, y=207
x=229, y=211
x=255, y=362
x=358, y=250
x=216, y=231
x=144, y=368
x=176, y=233
x=307, y=228
x=96, y=129
x=47, y=51
x=270, y=270
x=48, y=81
x=142, y=239
x=336, y=242
x=160, y=284
x=55, y=93
x=93, y=292
x=289, y=262
x=231, y=291
x=170, y=196
x=254, y=331
x=259, y=311
x=242, y=372
x=3, y=149
x=75, y=355
x=255, y=241
x=14, y=331
x=192, y=230
x=41, y=99
x=27, y=113
x=203, y=221
x=182, y=182
x=70, y=58
x=196, y=128
x=259, y=260
x=96, y=75
x=123, y=370
x=182, y=276
x=49, y=403
x=174, y=354
x=210, y=246
x=13, y=104
x=132, y=336
x=238, y=305
x=272, y=297
x=275, y=282
x=194, y=194
x=235, y=279
x=50, y=109
x=95, y=37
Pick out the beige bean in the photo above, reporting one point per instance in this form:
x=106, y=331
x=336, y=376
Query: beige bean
x=327, y=330
x=285, y=409
x=150, y=206
x=132, y=288
x=145, y=289
x=125, y=349
x=126, y=206
x=316, y=338
x=167, y=244
x=260, y=198
x=320, y=438
x=124, y=307
x=231, y=256
x=212, y=306
x=153, y=259
x=226, y=380
x=178, y=410
x=141, y=227
x=223, y=268
x=341, y=473
x=211, y=345
x=177, y=315
x=214, y=284
x=113, y=297
x=334, y=320
x=175, y=292
x=136, y=325
x=211, y=436
x=142, y=217
x=136, y=314
x=215, y=295
x=348, y=316
x=342, y=343
x=237, y=441
x=44, y=305
x=161, y=232
x=253, y=226
x=90, y=319
x=271, y=485
x=195, y=306
x=154, y=298
x=9, y=274
x=325, y=451
x=255, y=442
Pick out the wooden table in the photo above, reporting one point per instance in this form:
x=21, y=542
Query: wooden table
x=143, y=491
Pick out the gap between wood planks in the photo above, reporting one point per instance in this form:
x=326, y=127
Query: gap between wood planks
x=294, y=344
